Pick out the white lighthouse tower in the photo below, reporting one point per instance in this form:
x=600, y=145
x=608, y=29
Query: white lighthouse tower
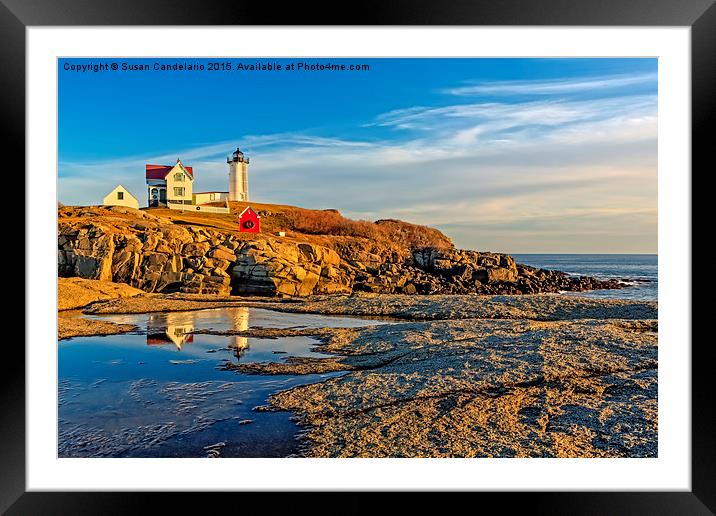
x=238, y=176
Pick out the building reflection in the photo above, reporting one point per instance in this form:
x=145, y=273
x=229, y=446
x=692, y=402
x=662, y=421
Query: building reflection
x=169, y=328
x=175, y=328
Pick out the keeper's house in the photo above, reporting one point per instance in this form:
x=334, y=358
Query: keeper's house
x=169, y=186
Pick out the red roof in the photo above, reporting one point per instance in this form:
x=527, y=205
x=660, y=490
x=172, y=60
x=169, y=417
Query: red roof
x=249, y=211
x=161, y=171
x=153, y=340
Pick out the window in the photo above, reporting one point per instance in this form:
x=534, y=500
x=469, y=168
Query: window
x=178, y=177
x=178, y=192
x=120, y=196
x=212, y=196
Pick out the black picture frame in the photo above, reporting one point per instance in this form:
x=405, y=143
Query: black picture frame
x=700, y=15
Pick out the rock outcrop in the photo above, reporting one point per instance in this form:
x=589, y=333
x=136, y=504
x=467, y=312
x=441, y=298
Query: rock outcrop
x=73, y=293
x=155, y=254
x=480, y=388
x=148, y=255
x=270, y=267
x=455, y=271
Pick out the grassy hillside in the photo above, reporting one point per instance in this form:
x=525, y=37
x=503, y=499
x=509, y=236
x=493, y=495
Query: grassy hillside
x=325, y=227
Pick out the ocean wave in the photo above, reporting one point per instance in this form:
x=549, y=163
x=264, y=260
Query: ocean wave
x=618, y=277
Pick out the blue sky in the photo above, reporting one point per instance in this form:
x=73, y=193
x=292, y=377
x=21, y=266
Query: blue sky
x=513, y=155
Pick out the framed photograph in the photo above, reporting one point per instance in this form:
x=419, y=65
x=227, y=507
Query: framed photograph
x=440, y=249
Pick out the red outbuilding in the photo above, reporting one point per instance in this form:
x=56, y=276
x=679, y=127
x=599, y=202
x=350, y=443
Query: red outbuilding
x=249, y=221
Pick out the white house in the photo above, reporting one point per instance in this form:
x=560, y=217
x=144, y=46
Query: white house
x=120, y=196
x=207, y=197
x=169, y=328
x=169, y=185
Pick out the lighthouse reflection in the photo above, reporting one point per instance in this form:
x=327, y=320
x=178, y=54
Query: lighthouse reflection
x=240, y=321
x=175, y=328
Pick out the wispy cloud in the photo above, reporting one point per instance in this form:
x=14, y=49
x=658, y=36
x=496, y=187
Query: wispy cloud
x=552, y=87
x=505, y=115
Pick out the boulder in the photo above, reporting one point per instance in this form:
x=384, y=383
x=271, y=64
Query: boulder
x=501, y=274
x=195, y=249
x=222, y=253
x=92, y=265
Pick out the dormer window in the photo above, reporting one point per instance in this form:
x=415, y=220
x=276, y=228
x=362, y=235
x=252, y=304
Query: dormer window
x=178, y=177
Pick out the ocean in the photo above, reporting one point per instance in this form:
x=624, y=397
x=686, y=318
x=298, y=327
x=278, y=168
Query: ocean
x=640, y=270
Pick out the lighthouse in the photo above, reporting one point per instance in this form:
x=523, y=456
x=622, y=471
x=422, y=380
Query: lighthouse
x=238, y=176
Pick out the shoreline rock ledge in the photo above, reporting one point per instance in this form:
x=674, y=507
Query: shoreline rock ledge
x=155, y=254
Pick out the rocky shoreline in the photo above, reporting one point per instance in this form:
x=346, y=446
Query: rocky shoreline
x=461, y=375
x=157, y=254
